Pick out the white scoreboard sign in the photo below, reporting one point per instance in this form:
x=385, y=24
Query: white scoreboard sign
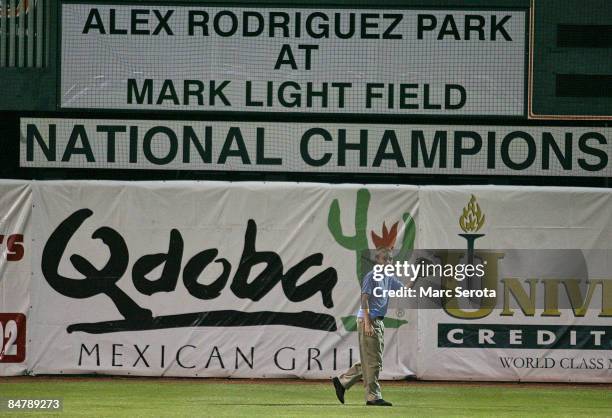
x=354, y=61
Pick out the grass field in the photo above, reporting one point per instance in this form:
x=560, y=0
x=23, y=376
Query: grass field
x=235, y=398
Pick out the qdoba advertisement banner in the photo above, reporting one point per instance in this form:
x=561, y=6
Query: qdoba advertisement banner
x=282, y=59
x=208, y=279
x=311, y=147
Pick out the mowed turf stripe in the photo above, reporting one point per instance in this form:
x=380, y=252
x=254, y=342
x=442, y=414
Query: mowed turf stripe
x=158, y=397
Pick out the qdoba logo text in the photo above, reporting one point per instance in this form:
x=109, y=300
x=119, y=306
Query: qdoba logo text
x=104, y=281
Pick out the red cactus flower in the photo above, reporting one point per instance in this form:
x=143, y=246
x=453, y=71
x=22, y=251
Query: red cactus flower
x=388, y=237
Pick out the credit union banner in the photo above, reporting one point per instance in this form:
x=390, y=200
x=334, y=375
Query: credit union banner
x=547, y=253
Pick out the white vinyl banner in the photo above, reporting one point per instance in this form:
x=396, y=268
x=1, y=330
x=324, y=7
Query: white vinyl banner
x=280, y=59
x=548, y=252
x=210, y=279
x=15, y=240
x=320, y=148
x=263, y=279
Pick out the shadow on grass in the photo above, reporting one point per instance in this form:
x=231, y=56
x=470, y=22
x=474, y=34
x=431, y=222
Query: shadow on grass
x=282, y=404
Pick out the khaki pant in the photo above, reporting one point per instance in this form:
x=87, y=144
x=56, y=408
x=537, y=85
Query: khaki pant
x=371, y=354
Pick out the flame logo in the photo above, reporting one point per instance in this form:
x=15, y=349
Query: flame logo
x=472, y=218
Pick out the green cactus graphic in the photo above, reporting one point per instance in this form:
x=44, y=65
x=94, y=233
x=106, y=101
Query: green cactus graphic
x=359, y=244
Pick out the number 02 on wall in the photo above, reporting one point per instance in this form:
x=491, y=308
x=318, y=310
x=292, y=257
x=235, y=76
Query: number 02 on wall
x=12, y=337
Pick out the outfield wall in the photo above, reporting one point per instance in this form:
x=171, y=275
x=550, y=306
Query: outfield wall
x=214, y=279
